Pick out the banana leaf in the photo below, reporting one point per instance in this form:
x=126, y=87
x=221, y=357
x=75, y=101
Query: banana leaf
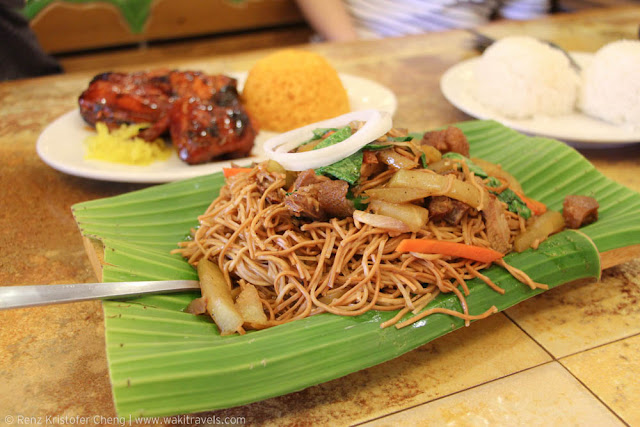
x=163, y=361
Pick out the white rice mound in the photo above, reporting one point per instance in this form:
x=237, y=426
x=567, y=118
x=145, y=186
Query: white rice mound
x=520, y=77
x=611, y=84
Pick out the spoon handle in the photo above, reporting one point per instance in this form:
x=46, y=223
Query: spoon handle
x=36, y=295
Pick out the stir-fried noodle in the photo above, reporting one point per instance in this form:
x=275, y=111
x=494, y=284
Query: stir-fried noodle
x=341, y=266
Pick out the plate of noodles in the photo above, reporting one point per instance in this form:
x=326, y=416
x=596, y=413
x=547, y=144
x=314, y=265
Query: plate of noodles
x=346, y=285
x=62, y=143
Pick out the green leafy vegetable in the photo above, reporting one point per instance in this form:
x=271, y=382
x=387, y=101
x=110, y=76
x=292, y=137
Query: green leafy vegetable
x=375, y=147
x=477, y=170
x=320, y=132
x=423, y=161
x=508, y=196
x=359, y=202
x=400, y=138
x=338, y=135
x=493, y=182
x=514, y=203
x=347, y=169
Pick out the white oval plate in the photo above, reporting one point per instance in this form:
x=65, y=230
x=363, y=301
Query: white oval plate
x=576, y=129
x=61, y=144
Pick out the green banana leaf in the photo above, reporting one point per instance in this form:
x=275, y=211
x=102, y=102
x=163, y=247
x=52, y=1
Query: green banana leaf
x=164, y=361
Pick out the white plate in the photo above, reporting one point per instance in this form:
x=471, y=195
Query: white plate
x=576, y=129
x=61, y=144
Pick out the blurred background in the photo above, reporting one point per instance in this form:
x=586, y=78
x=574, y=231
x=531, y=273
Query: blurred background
x=96, y=34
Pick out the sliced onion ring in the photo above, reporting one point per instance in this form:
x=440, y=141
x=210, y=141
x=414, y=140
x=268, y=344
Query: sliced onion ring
x=377, y=123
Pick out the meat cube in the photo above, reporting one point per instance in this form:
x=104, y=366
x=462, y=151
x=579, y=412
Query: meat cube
x=332, y=196
x=448, y=140
x=447, y=209
x=304, y=203
x=318, y=197
x=307, y=177
x=579, y=211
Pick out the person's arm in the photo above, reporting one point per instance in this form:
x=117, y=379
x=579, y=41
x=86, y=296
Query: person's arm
x=329, y=18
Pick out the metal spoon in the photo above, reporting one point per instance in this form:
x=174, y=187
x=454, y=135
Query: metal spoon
x=36, y=295
x=482, y=42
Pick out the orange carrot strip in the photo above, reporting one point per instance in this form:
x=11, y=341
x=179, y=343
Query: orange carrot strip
x=538, y=208
x=229, y=172
x=431, y=246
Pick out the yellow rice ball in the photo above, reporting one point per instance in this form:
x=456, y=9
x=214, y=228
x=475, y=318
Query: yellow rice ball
x=292, y=88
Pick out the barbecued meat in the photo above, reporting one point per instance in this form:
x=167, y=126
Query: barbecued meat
x=579, y=211
x=118, y=98
x=202, y=131
x=220, y=89
x=202, y=112
x=450, y=139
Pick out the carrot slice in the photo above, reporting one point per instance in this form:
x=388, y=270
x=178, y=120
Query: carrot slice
x=537, y=207
x=431, y=246
x=229, y=172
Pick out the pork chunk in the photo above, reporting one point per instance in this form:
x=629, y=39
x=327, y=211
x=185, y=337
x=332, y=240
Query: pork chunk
x=447, y=209
x=579, y=211
x=497, y=227
x=318, y=197
x=448, y=140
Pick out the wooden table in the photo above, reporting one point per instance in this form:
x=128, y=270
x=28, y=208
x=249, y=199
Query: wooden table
x=569, y=356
